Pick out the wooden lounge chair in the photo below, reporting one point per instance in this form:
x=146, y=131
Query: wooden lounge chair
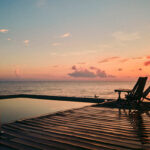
x=136, y=93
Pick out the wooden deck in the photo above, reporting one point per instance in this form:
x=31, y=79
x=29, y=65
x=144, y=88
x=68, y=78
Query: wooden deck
x=85, y=128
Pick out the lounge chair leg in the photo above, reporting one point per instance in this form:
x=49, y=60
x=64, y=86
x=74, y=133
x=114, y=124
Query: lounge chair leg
x=119, y=96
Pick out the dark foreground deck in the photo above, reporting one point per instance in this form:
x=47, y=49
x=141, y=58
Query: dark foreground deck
x=92, y=127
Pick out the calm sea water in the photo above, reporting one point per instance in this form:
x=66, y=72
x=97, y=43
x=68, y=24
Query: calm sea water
x=64, y=88
x=19, y=108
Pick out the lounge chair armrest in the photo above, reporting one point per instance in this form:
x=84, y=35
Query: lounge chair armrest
x=123, y=90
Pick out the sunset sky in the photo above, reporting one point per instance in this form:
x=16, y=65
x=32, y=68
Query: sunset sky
x=74, y=39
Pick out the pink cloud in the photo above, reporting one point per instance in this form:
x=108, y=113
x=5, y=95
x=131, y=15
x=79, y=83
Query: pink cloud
x=74, y=67
x=137, y=57
x=3, y=30
x=55, y=66
x=109, y=59
x=148, y=57
x=140, y=69
x=93, y=68
x=120, y=69
x=101, y=73
x=124, y=60
x=26, y=42
x=82, y=73
x=65, y=35
x=147, y=63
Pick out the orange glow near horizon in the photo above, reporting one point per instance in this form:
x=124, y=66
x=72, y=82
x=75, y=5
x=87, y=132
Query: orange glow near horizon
x=105, y=69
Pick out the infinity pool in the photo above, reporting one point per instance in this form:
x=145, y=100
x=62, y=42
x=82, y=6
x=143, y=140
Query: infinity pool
x=21, y=108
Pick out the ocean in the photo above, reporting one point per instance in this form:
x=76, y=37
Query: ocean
x=20, y=108
x=103, y=89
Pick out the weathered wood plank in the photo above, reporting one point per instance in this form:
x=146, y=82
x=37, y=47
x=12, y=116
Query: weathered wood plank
x=87, y=139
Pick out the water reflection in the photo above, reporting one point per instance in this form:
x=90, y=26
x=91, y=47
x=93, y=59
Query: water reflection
x=139, y=123
x=21, y=108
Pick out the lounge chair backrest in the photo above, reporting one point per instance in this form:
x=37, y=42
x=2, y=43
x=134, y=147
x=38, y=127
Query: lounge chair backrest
x=137, y=91
x=136, y=85
x=146, y=92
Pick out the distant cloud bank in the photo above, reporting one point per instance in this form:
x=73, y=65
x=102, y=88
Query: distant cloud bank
x=92, y=72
